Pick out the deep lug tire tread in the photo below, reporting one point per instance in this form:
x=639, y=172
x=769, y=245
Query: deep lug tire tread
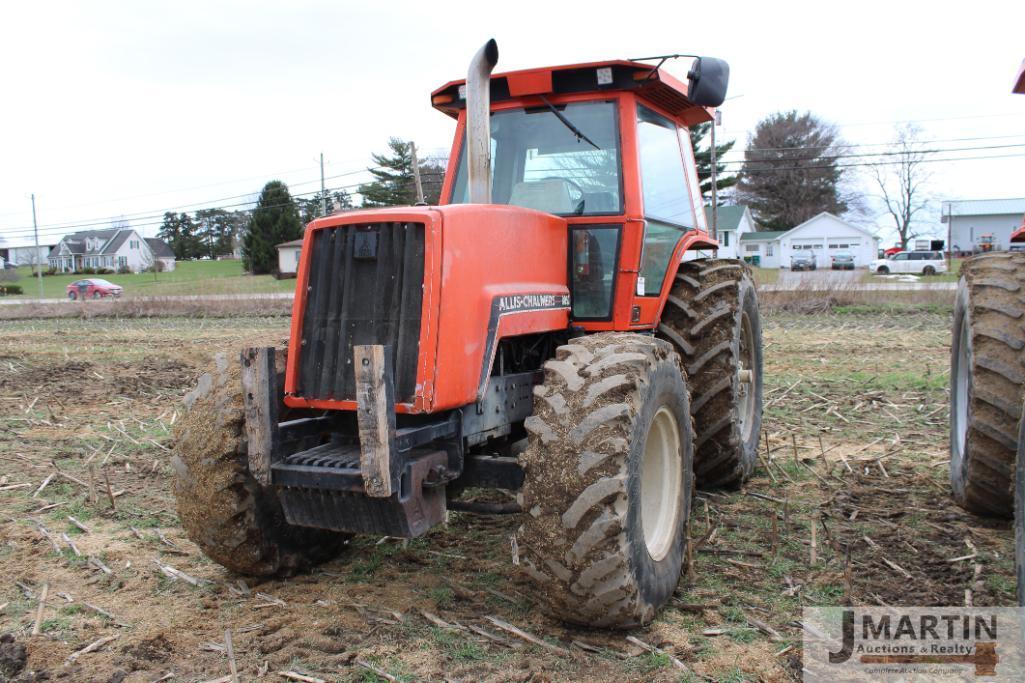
x=579, y=542
x=702, y=320
x=991, y=301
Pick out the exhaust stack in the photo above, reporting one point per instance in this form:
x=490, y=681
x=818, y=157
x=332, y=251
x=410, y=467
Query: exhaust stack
x=478, y=123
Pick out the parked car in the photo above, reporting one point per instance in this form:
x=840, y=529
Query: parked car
x=917, y=262
x=93, y=288
x=802, y=261
x=843, y=262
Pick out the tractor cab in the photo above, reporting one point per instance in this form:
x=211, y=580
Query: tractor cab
x=606, y=147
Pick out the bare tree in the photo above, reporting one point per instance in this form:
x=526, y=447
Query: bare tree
x=902, y=182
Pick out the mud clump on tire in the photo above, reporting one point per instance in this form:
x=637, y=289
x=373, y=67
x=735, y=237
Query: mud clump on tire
x=235, y=521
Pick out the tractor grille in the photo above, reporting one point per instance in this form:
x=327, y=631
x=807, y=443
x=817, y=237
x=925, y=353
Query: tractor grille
x=365, y=286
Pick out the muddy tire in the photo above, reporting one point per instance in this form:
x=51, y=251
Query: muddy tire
x=608, y=480
x=987, y=374
x=234, y=520
x=711, y=317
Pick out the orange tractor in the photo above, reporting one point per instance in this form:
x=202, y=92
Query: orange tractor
x=987, y=374
x=539, y=331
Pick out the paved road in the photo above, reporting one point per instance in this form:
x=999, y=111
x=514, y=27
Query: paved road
x=183, y=297
x=825, y=280
x=788, y=282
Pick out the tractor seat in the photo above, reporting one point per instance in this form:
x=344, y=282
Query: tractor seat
x=550, y=196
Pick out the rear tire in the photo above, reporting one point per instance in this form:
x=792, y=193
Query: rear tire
x=1019, y=514
x=608, y=480
x=711, y=317
x=928, y=270
x=234, y=520
x=987, y=374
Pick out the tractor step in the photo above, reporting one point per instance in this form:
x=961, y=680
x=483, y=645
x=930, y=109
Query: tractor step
x=323, y=488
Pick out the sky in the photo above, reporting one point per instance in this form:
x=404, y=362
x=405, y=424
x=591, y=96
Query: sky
x=133, y=108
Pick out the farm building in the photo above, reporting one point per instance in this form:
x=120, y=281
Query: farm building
x=733, y=222
x=971, y=220
x=288, y=257
x=116, y=249
x=824, y=235
x=24, y=252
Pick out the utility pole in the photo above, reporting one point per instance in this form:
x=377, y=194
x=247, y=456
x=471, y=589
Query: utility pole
x=416, y=175
x=35, y=258
x=715, y=187
x=323, y=192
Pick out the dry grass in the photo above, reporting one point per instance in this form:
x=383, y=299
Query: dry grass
x=868, y=387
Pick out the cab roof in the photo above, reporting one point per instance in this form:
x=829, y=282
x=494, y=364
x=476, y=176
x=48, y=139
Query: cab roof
x=650, y=83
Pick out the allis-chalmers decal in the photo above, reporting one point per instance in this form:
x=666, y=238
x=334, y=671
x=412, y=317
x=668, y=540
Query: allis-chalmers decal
x=507, y=305
x=529, y=302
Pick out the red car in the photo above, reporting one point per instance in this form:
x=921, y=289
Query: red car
x=93, y=288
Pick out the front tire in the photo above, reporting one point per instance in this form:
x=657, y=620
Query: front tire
x=72, y=296
x=608, y=480
x=234, y=520
x=883, y=270
x=987, y=375
x=928, y=270
x=711, y=317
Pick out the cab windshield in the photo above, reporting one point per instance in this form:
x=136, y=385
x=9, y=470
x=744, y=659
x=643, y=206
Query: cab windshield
x=540, y=162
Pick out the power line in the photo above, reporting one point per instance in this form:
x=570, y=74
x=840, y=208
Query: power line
x=52, y=231
x=845, y=145
x=880, y=163
x=902, y=152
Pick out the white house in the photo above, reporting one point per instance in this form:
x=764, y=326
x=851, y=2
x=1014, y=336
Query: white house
x=970, y=219
x=288, y=257
x=116, y=249
x=824, y=235
x=731, y=223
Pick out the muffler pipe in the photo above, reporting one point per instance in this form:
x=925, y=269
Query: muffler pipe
x=478, y=123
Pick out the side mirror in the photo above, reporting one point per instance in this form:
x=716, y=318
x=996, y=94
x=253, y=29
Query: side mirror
x=707, y=81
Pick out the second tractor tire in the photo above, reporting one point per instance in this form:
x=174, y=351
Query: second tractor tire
x=987, y=375
x=608, y=480
x=234, y=520
x=711, y=317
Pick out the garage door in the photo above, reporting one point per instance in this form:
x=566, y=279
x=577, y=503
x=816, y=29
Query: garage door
x=844, y=245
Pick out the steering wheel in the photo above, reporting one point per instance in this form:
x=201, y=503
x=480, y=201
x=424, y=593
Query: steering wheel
x=580, y=190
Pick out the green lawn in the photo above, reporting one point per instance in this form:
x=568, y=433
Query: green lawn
x=189, y=277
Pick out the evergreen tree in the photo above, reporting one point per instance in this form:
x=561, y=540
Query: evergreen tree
x=216, y=231
x=313, y=207
x=274, y=220
x=394, y=184
x=703, y=160
x=790, y=171
x=180, y=233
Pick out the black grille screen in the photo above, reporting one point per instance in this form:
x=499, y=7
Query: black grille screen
x=365, y=287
